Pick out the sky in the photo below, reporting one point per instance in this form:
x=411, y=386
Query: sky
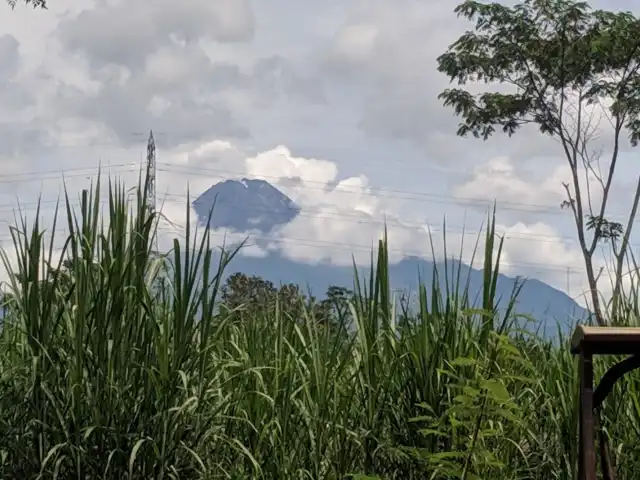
x=335, y=103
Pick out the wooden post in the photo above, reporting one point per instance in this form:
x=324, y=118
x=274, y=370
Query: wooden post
x=586, y=342
x=587, y=460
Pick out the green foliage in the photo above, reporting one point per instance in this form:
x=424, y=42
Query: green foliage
x=116, y=363
x=608, y=230
x=546, y=49
x=547, y=61
x=34, y=3
x=245, y=295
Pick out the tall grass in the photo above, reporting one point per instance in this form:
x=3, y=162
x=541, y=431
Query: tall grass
x=120, y=362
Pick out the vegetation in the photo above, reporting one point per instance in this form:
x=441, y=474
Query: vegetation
x=34, y=3
x=561, y=66
x=119, y=363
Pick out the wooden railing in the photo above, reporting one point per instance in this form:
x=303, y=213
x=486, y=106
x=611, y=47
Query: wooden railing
x=587, y=342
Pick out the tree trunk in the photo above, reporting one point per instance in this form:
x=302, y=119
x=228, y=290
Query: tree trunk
x=593, y=289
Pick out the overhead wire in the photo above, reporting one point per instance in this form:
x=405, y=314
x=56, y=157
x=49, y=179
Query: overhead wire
x=338, y=216
x=308, y=185
x=319, y=213
x=353, y=246
x=418, y=197
x=374, y=192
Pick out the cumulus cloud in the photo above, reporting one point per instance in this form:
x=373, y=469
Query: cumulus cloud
x=341, y=217
x=174, y=91
x=126, y=33
x=551, y=251
x=9, y=54
x=229, y=98
x=338, y=216
x=527, y=190
x=526, y=194
x=387, y=50
x=185, y=69
x=523, y=194
x=184, y=93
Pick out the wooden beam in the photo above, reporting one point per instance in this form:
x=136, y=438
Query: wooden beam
x=606, y=340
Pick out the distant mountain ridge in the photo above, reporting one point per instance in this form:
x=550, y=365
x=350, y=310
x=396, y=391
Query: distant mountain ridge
x=244, y=205
x=546, y=305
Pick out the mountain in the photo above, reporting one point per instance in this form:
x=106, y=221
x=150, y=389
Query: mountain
x=547, y=305
x=242, y=205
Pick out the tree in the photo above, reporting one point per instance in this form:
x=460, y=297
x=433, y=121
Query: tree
x=561, y=60
x=252, y=294
x=34, y=3
x=246, y=291
x=335, y=305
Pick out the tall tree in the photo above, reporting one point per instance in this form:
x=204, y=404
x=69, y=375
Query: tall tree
x=251, y=294
x=561, y=59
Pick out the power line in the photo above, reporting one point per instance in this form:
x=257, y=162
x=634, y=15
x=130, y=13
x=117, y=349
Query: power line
x=420, y=197
x=437, y=198
x=354, y=218
x=65, y=170
x=301, y=241
x=346, y=217
x=387, y=193
x=332, y=215
x=349, y=247
x=377, y=192
x=352, y=246
x=140, y=135
x=341, y=217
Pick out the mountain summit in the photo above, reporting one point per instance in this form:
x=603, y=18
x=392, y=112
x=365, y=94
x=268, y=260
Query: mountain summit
x=243, y=205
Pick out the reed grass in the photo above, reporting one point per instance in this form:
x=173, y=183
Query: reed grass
x=118, y=362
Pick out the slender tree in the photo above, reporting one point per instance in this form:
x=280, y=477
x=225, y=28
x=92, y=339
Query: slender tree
x=562, y=60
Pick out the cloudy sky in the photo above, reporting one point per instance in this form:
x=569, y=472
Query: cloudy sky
x=334, y=102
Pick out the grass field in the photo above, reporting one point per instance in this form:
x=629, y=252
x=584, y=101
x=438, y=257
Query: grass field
x=120, y=366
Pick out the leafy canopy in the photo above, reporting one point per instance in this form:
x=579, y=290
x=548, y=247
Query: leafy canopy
x=546, y=49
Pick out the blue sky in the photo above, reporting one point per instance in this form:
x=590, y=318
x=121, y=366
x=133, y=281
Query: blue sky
x=329, y=93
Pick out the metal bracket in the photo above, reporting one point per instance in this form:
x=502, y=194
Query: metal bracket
x=609, y=379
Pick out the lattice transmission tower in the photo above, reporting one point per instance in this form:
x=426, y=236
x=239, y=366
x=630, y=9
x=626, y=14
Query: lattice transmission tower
x=151, y=173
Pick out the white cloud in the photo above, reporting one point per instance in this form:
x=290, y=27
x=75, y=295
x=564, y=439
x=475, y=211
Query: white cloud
x=279, y=162
x=530, y=189
x=355, y=43
x=232, y=94
x=498, y=179
x=527, y=192
x=338, y=216
x=125, y=33
x=387, y=51
x=341, y=217
x=551, y=251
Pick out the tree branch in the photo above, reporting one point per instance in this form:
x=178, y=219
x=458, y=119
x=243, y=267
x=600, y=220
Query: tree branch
x=623, y=248
x=612, y=167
